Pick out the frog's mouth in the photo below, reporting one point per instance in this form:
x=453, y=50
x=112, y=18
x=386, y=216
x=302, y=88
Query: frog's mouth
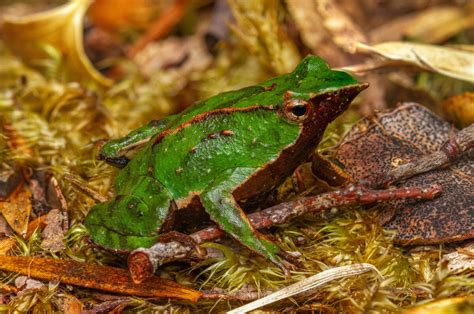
x=330, y=104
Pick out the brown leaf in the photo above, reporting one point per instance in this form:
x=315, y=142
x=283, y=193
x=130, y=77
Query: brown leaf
x=56, y=228
x=95, y=277
x=378, y=144
x=26, y=285
x=181, y=57
x=16, y=210
x=68, y=303
x=313, y=33
x=6, y=245
x=344, y=32
x=5, y=229
x=10, y=180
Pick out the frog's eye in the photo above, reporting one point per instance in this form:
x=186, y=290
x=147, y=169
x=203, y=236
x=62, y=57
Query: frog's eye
x=297, y=109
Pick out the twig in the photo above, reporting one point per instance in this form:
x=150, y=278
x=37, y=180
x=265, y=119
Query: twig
x=160, y=27
x=81, y=186
x=451, y=150
x=143, y=262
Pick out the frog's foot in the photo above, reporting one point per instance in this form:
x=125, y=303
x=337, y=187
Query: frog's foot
x=190, y=248
x=171, y=246
x=125, y=223
x=221, y=205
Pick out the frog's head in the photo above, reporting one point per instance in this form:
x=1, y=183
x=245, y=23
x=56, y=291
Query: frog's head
x=319, y=95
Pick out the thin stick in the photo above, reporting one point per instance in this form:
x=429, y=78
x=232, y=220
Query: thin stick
x=451, y=150
x=143, y=262
x=160, y=27
x=81, y=186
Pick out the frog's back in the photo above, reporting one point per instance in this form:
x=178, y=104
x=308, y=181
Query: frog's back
x=270, y=92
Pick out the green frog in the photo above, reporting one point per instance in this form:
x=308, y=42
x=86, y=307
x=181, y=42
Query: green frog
x=217, y=154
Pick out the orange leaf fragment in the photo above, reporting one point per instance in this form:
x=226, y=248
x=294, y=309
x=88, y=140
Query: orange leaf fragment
x=16, y=210
x=94, y=276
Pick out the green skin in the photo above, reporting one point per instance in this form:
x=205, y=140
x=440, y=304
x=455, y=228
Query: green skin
x=217, y=153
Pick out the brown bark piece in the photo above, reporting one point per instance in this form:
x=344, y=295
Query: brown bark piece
x=381, y=143
x=95, y=277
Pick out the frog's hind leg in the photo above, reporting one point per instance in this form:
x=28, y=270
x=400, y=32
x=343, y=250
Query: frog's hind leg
x=113, y=152
x=219, y=202
x=132, y=219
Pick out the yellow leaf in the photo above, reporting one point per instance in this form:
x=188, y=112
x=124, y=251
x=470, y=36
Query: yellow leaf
x=457, y=305
x=460, y=109
x=448, y=61
x=35, y=37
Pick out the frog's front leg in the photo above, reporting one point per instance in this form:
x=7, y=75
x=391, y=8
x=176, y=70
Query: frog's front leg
x=221, y=205
x=113, y=152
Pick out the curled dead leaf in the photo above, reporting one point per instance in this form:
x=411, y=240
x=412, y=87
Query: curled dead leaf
x=432, y=25
x=448, y=61
x=36, y=37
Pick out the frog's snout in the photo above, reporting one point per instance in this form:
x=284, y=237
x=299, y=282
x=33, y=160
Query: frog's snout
x=332, y=103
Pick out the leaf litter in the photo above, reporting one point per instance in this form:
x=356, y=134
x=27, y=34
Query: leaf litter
x=54, y=126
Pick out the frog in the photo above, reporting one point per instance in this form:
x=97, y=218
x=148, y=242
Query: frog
x=217, y=154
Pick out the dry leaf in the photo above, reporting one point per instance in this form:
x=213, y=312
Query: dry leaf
x=56, y=228
x=462, y=259
x=433, y=25
x=345, y=33
x=307, y=285
x=458, y=305
x=61, y=28
x=95, y=277
x=67, y=303
x=6, y=245
x=378, y=144
x=5, y=229
x=180, y=57
x=313, y=33
x=448, y=61
x=16, y=210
